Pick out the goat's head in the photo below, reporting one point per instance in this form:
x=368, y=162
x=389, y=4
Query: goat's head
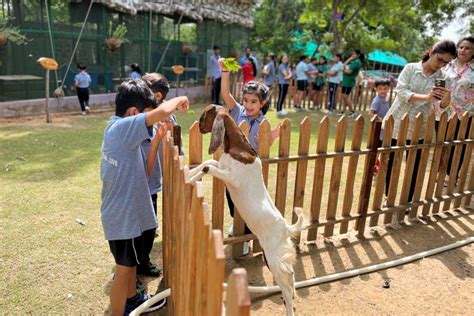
x=212, y=120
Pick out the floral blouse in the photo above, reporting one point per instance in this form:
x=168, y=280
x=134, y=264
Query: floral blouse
x=462, y=87
x=412, y=81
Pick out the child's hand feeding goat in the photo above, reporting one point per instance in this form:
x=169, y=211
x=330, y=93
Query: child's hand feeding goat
x=241, y=170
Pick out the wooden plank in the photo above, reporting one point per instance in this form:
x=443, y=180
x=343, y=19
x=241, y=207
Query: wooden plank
x=197, y=222
x=357, y=133
x=397, y=162
x=465, y=166
x=237, y=301
x=175, y=223
x=443, y=165
x=318, y=177
x=215, y=277
x=239, y=224
x=195, y=145
x=301, y=169
x=201, y=305
x=263, y=152
x=425, y=153
x=440, y=135
x=453, y=174
x=336, y=172
x=165, y=209
x=470, y=186
x=379, y=192
x=282, y=169
x=410, y=162
x=218, y=190
x=374, y=136
x=179, y=203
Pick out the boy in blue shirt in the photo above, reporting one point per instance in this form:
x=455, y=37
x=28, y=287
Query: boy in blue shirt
x=380, y=107
x=127, y=211
x=82, y=82
x=152, y=149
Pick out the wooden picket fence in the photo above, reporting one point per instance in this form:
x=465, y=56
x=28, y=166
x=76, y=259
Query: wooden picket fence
x=193, y=254
x=335, y=188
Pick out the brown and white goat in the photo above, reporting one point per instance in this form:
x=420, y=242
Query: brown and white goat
x=241, y=170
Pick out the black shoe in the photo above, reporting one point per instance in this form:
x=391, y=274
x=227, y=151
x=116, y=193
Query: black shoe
x=149, y=269
x=139, y=299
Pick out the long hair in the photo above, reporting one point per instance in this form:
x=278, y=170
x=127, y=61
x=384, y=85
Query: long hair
x=361, y=55
x=442, y=47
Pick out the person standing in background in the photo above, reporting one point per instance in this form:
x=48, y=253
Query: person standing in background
x=82, y=82
x=136, y=72
x=352, y=67
x=215, y=75
x=269, y=75
x=334, y=78
x=301, y=81
x=319, y=82
x=248, y=54
x=284, y=77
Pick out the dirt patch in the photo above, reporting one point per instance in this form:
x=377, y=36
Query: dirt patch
x=439, y=284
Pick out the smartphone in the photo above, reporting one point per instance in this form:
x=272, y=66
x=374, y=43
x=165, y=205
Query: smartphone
x=440, y=83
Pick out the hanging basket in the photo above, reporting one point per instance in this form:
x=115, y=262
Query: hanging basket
x=113, y=44
x=3, y=40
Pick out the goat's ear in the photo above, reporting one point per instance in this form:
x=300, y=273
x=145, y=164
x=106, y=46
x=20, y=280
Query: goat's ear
x=218, y=133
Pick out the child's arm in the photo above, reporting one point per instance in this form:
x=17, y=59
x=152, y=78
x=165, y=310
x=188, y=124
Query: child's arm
x=153, y=153
x=371, y=113
x=166, y=109
x=225, y=86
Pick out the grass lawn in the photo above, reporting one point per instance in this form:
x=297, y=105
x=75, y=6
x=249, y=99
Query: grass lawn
x=50, y=178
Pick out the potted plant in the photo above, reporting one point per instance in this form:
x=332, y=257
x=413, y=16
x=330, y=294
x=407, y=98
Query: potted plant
x=11, y=33
x=116, y=37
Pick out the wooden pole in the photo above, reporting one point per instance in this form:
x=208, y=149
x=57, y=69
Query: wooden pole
x=48, y=118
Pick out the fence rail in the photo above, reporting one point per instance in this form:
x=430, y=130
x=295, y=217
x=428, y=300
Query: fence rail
x=193, y=254
x=338, y=188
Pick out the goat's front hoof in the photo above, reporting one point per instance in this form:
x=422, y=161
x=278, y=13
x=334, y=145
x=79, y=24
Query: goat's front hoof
x=205, y=169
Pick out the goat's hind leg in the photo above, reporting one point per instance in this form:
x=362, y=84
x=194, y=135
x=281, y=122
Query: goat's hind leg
x=285, y=279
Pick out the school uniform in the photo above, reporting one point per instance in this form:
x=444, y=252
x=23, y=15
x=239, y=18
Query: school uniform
x=83, y=80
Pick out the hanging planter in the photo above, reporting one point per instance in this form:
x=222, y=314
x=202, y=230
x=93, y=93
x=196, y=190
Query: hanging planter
x=188, y=48
x=13, y=34
x=117, y=37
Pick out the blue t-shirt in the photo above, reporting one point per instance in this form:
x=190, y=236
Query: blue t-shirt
x=214, y=69
x=301, y=68
x=270, y=78
x=283, y=68
x=338, y=77
x=83, y=79
x=155, y=180
x=239, y=115
x=380, y=107
x=135, y=75
x=127, y=210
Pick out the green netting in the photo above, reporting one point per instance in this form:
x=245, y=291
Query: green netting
x=107, y=69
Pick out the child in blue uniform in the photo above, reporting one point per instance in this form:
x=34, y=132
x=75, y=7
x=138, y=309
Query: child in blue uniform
x=82, y=82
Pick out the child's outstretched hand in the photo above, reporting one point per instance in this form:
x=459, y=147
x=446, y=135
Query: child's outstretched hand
x=183, y=104
x=275, y=133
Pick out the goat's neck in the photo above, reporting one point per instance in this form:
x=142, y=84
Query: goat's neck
x=237, y=145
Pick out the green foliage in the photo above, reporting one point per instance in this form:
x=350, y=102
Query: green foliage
x=231, y=64
x=119, y=32
x=13, y=34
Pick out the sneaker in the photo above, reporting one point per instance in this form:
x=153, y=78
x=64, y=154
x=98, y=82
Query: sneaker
x=340, y=113
x=230, y=231
x=83, y=113
x=245, y=248
x=140, y=286
x=283, y=112
x=352, y=114
x=149, y=269
x=133, y=302
x=329, y=112
x=88, y=110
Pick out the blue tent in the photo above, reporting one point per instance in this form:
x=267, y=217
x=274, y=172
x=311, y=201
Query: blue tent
x=390, y=58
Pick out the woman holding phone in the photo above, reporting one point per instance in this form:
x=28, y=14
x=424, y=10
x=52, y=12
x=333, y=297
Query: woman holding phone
x=417, y=93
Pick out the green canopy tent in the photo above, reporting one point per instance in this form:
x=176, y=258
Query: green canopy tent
x=386, y=60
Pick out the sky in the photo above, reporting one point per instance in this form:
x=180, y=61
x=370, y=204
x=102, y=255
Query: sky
x=452, y=30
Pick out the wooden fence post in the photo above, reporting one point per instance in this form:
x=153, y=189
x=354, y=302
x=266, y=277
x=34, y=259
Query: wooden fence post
x=357, y=133
x=215, y=277
x=374, y=135
x=465, y=168
x=237, y=298
x=336, y=171
x=195, y=145
x=318, y=177
x=282, y=169
x=301, y=169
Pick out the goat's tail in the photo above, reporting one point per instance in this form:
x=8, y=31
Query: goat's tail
x=299, y=225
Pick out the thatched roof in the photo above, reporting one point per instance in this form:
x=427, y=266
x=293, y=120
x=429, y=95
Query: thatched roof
x=225, y=11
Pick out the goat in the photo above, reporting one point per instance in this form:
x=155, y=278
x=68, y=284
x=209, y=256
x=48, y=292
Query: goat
x=241, y=170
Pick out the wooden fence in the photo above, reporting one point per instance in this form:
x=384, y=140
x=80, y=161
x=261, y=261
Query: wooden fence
x=336, y=188
x=193, y=254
